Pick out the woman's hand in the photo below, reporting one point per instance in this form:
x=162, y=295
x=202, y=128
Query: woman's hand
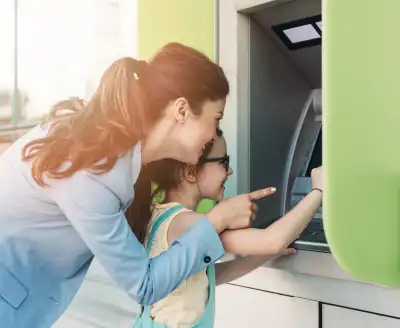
x=317, y=177
x=237, y=212
x=287, y=251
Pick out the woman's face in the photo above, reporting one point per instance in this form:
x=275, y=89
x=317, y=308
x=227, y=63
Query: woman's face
x=192, y=132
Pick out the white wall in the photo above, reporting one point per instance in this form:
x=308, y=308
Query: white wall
x=233, y=57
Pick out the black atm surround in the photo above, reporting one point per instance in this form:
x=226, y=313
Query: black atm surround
x=313, y=237
x=284, y=115
x=304, y=154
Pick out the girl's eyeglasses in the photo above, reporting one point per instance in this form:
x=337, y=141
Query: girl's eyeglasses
x=223, y=160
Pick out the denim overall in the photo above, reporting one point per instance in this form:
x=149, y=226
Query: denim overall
x=207, y=319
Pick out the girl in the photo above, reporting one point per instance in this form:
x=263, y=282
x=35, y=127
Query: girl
x=64, y=187
x=192, y=303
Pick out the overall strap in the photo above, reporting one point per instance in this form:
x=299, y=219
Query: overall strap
x=144, y=320
x=159, y=221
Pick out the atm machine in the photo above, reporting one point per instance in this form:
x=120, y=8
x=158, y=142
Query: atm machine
x=304, y=154
x=271, y=52
x=285, y=105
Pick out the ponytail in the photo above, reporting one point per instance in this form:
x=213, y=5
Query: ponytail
x=165, y=174
x=138, y=213
x=93, y=135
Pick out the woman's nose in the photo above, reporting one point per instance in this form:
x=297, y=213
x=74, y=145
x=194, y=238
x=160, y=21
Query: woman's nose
x=230, y=171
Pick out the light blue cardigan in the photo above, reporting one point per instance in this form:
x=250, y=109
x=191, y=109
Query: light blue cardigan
x=48, y=237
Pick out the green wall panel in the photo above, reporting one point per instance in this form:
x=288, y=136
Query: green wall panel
x=361, y=70
x=190, y=22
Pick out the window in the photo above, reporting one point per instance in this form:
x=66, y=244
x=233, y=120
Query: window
x=7, y=60
x=301, y=33
x=58, y=49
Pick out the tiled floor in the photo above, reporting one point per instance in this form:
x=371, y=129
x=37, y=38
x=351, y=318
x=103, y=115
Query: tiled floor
x=99, y=304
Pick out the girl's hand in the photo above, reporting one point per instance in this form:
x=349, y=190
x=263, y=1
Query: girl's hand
x=237, y=212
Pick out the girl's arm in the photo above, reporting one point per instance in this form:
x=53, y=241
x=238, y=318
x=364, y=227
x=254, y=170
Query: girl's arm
x=268, y=242
x=265, y=244
x=274, y=239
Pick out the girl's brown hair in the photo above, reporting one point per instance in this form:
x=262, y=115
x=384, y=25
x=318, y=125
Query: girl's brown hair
x=166, y=174
x=130, y=98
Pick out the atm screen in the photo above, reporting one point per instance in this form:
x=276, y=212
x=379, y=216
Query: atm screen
x=316, y=157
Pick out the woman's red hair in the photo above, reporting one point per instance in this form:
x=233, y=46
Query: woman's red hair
x=130, y=98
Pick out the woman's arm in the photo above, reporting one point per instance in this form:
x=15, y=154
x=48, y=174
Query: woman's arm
x=94, y=211
x=232, y=270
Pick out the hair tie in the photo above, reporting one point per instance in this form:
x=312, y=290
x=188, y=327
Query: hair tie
x=140, y=67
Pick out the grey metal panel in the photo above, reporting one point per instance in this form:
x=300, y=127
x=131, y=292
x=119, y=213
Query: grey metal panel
x=302, y=186
x=277, y=97
x=317, y=102
x=302, y=146
x=307, y=61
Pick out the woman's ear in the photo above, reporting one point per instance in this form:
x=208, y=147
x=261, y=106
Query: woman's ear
x=190, y=173
x=181, y=110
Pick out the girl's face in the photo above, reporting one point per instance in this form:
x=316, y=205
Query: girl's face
x=215, y=171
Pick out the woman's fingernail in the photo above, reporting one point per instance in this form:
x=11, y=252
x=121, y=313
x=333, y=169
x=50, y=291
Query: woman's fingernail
x=273, y=189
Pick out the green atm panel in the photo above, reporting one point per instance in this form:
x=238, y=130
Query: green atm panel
x=361, y=91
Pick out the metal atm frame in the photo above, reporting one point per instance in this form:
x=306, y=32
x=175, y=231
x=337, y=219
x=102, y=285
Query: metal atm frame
x=305, y=147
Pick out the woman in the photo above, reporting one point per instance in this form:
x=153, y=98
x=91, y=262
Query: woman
x=182, y=186
x=64, y=187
